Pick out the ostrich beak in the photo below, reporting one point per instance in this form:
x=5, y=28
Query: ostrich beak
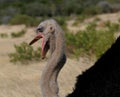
x=37, y=37
x=45, y=46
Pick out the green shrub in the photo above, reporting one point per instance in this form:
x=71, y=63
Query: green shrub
x=119, y=20
x=90, y=42
x=114, y=27
x=91, y=26
x=3, y=35
x=18, y=34
x=81, y=17
x=24, y=19
x=105, y=40
x=97, y=19
x=92, y=10
x=24, y=53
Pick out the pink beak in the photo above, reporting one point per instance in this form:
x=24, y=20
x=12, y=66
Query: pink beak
x=37, y=37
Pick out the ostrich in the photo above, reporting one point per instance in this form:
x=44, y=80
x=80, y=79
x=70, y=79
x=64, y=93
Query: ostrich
x=53, y=40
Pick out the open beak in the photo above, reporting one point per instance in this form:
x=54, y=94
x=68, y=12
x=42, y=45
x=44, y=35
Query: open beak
x=45, y=45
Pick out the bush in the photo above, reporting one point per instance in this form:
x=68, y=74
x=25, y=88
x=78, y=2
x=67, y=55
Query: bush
x=90, y=42
x=3, y=35
x=24, y=19
x=114, y=27
x=18, y=34
x=92, y=10
x=38, y=9
x=24, y=54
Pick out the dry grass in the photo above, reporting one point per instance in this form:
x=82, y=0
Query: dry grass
x=23, y=80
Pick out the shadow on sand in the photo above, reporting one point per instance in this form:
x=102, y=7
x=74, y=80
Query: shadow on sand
x=102, y=79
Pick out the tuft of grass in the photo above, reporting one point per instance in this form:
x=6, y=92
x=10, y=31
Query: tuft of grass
x=24, y=53
x=18, y=34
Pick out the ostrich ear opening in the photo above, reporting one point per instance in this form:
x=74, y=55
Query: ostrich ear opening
x=52, y=28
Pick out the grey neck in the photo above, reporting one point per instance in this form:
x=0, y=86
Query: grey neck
x=49, y=85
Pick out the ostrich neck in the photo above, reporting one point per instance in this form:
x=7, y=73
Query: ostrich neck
x=57, y=48
x=57, y=44
x=49, y=84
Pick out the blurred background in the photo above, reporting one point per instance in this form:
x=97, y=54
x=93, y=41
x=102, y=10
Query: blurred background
x=90, y=26
x=16, y=9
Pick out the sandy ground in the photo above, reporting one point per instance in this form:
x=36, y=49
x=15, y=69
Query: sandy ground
x=23, y=80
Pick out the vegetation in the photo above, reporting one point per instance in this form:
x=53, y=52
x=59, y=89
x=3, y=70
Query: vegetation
x=20, y=11
x=3, y=35
x=24, y=19
x=24, y=53
x=18, y=34
x=89, y=42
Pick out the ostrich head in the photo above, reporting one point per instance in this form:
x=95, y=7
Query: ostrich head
x=46, y=30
